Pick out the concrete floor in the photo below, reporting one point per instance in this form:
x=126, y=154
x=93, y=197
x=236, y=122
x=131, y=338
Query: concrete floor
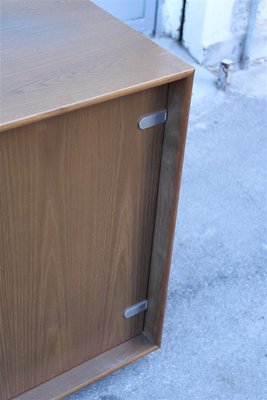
x=215, y=336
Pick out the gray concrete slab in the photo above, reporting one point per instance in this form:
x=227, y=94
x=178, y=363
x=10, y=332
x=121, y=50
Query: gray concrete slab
x=215, y=336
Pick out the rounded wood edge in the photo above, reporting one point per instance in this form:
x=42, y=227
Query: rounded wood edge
x=92, y=101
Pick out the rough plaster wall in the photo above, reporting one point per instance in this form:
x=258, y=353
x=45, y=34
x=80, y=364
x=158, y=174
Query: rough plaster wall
x=216, y=29
x=193, y=28
x=171, y=17
x=262, y=15
x=259, y=49
x=231, y=46
x=225, y=27
x=217, y=22
x=239, y=19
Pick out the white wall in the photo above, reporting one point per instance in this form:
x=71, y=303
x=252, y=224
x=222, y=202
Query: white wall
x=259, y=48
x=194, y=28
x=215, y=29
x=217, y=22
x=221, y=34
x=171, y=12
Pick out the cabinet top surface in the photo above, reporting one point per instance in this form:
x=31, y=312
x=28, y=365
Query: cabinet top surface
x=60, y=55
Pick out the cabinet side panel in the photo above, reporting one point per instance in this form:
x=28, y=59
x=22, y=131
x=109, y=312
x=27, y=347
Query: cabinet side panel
x=77, y=206
x=179, y=96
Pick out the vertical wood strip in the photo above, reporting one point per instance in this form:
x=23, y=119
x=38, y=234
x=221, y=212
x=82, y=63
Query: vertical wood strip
x=170, y=177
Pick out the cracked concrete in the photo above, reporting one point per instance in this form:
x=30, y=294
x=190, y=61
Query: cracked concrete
x=215, y=337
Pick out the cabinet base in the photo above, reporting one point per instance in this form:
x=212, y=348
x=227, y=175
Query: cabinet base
x=88, y=372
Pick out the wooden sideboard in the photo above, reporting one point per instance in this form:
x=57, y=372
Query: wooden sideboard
x=93, y=127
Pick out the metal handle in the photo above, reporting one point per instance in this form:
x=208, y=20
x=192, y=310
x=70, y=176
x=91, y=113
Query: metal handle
x=153, y=119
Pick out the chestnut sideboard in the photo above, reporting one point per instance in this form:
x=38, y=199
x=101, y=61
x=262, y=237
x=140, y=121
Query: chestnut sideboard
x=93, y=127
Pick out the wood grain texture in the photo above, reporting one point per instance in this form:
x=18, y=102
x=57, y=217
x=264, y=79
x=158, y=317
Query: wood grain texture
x=77, y=207
x=91, y=370
x=61, y=55
x=179, y=96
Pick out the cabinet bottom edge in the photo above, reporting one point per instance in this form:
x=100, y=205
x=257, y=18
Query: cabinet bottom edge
x=91, y=370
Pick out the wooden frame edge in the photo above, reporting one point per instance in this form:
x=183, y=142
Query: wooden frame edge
x=90, y=371
x=8, y=125
x=179, y=96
